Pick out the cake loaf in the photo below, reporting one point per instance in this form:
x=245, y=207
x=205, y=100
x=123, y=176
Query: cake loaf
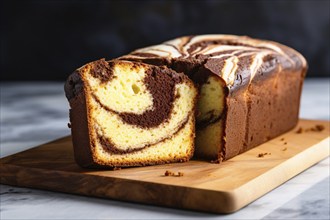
x=249, y=89
x=130, y=114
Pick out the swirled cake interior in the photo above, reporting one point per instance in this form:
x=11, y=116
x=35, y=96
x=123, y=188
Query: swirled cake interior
x=137, y=114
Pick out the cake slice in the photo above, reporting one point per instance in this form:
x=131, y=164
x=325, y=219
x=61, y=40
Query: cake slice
x=249, y=89
x=130, y=114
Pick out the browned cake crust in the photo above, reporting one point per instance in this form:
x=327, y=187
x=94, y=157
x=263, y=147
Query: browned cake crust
x=85, y=138
x=75, y=93
x=261, y=112
x=261, y=82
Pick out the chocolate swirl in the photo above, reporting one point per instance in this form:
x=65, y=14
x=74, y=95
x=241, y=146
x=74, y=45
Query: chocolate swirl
x=156, y=85
x=159, y=81
x=161, y=85
x=228, y=49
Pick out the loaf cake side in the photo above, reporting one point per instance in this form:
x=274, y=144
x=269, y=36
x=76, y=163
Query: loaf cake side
x=249, y=88
x=135, y=114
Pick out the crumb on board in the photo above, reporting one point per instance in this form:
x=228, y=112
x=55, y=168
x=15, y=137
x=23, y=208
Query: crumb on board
x=300, y=130
x=117, y=168
x=284, y=149
x=263, y=154
x=316, y=128
x=319, y=127
x=285, y=143
x=170, y=173
x=282, y=139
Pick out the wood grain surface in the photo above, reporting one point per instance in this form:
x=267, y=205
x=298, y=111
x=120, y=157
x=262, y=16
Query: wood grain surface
x=204, y=186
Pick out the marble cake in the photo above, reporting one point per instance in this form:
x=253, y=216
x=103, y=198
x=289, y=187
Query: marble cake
x=126, y=113
x=249, y=89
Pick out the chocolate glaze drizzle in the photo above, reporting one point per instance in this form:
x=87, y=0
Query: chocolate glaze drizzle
x=192, y=51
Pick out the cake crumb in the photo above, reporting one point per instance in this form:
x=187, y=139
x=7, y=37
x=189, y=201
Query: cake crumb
x=282, y=139
x=319, y=127
x=316, y=128
x=170, y=173
x=117, y=168
x=299, y=131
x=284, y=149
x=263, y=154
x=285, y=143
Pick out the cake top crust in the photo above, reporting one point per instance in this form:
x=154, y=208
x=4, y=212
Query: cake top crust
x=236, y=59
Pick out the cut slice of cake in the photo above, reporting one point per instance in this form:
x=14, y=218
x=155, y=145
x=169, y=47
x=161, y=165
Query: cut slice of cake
x=130, y=114
x=249, y=88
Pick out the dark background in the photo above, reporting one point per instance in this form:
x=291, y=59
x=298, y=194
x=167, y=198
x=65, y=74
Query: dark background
x=47, y=40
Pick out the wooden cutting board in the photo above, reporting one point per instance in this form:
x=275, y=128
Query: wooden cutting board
x=220, y=188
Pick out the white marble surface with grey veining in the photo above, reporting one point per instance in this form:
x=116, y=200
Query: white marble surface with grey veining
x=36, y=112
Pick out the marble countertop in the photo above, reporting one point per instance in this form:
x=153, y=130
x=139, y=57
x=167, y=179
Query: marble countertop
x=37, y=112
